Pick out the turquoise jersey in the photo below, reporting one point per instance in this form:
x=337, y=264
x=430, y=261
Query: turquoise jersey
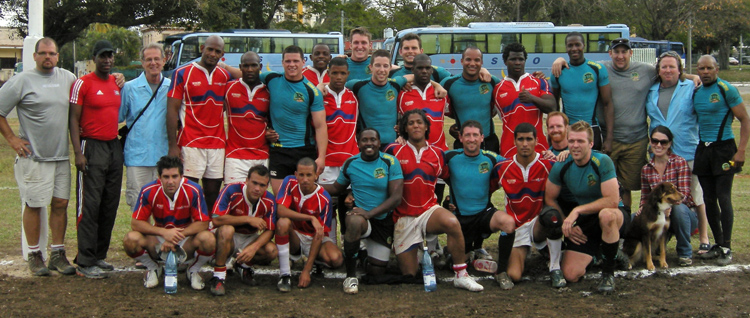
x=580, y=90
x=359, y=70
x=290, y=109
x=711, y=103
x=584, y=182
x=369, y=179
x=438, y=74
x=469, y=180
x=377, y=106
x=471, y=100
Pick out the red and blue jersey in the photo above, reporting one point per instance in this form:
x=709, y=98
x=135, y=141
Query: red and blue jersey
x=421, y=169
x=317, y=204
x=187, y=206
x=514, y=112
x=312, y=75
x=247, y=112
x=432, y=106
x=232, y=201
x=341, y=118
x=523, y=186
x=202, y=111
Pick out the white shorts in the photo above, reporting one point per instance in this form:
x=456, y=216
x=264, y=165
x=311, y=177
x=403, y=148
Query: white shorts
x=695, y=187
x=374, y=249
x=137, y=177
x=525, y=236
x=329, y=175
x=202, y=163
x=40, y=181
x=411, y=230
x=243, y=240
x=162, y=240
x=304, y=245
x=235, y=170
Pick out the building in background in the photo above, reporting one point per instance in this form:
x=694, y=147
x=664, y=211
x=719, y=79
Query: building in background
x=11, y=52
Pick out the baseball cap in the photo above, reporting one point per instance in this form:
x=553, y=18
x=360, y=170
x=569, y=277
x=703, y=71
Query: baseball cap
x=620, y=41
x=102, y=46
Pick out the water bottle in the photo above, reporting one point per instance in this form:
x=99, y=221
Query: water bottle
x=428, y=272
x=170, y=274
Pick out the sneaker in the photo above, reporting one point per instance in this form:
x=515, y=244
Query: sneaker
x=59, y=262
x=152, y=278
x=230, y=264
x=558, y=280
x=504, y=281
x=714, y=252
x=686, y=261
x=93, y=272
x=195, y=279
x=485, y=265
x=725, y=258
x=246, y=275
x=104, y=265
x=285, y=284
x=607, y=285
x=351, y=285
x=437, y=261
x=36, y=264
x=482, y=254
x=468, y=283
x=216, y=286
x=622, y=261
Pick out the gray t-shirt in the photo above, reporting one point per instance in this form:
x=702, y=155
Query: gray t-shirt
x=629, y=91
x=42, y=103
x=665, y=98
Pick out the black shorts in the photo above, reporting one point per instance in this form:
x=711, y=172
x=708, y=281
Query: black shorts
x=382, y=231
x=491, y=143
x=590, y=226
x=713, y=160
x=283, y=161
x=598, y=137
x=476, y=227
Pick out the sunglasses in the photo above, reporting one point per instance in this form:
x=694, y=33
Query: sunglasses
x=663, y=142
x=619, y=41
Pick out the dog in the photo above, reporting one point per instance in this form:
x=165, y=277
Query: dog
x=649, y=228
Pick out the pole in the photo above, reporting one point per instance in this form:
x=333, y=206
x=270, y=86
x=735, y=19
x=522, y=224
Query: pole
x=342, y=21
x=690, y=44
x=36, y=31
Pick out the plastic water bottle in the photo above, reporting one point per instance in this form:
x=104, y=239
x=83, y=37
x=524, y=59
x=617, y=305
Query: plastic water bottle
x=428, y=272
x=170, y=274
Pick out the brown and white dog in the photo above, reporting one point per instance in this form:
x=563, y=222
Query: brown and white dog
x=650, y=227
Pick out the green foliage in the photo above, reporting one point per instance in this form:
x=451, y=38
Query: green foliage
x=356, y=13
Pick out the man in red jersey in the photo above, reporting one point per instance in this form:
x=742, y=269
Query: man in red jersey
x=318, y=72
x=94, y=108
x=180, y=221
x=197, y=94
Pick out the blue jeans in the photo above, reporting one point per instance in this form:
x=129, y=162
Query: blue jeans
x=683, y=223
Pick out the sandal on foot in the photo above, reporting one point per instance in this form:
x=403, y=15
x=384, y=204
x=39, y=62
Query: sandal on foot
x=703, y=248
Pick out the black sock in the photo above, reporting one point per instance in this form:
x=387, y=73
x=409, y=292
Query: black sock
x=504, y=246
x=609, y=252
x=350, y=257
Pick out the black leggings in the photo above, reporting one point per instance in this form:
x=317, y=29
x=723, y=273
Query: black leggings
x=717, y=192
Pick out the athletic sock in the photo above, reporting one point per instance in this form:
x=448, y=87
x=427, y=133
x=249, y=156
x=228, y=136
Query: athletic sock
x=504, y=246
x=146, y=260
x=33, y=248
x=220, y=272
x=351, y=251
x=609, y=252
x=432, y=245
x=555, y=252
x=282, y=243
x=200, y=260
x=460, y=270
x=57, y=247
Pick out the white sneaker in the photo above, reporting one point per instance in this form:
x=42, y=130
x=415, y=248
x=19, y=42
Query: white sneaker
x=351, y=285
x=152, y=278
x=196, y=281
x=467, y=283
x=482, y=254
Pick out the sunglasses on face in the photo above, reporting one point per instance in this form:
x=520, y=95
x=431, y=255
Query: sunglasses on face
x=663, y=142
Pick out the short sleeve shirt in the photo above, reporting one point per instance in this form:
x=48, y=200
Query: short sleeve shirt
x=584, y=182
x=471, y=100
x=469, y=180
x=369, y=179
x=421, y=170
x=433, y=107
x=292, y=103
x=711, y=106
x=342, y=110
x=317, y=204
x=359, y=70
x=100, y=106
x=524, y=187
x=514, y=112
x=247, y=119
x=233, y=201
x=579, y=90
x=377, y=105
x=186, y=207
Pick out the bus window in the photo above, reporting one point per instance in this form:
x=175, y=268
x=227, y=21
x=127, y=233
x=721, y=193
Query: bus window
x=435, y=43
x=306, y=44
x=599, y=42
x=333, y=44
x=461, y=41
x=560, y=43
x=496, y=42
x=538, y=42
x=190, y=50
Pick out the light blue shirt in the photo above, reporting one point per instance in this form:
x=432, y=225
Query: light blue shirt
x=681, y=118
x=147, y=141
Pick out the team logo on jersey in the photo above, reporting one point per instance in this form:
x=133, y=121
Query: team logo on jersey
x=390, y=95
x=196, y=83
x=714, y=98
x=591, y=180
x=503, y=95
x=236, y=95
x=367, y=71
x=298, y=97
x=99, y=93
x=484, y=167
x=588, y=78
x=117, y=92
x=404, y=161
x=635, y=77
x=409, y=103
x=379, y=173
x=484, y=89
x=511, y=181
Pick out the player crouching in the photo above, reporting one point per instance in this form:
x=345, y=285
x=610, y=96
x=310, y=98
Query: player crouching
x=180, y=219
x=243, y=221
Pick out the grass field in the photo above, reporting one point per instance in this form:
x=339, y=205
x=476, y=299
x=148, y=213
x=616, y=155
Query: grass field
x=10, y=215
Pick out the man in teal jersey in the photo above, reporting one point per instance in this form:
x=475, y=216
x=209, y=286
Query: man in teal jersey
x=296, y=115
x=377, y=184
x=360, y=60
x=596, y=223
x=411, y=46
x=717, y=157
x=581, y=86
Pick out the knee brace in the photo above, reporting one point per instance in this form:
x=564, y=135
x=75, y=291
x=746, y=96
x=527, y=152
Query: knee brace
x=551, y=219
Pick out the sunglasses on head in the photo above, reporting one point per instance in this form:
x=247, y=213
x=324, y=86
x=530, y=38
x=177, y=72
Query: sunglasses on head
x=663, y=142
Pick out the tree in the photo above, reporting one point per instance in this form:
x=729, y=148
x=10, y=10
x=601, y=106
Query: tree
x=126, y=42
x=718, y=24
x=356, y=13
x=412, y=13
